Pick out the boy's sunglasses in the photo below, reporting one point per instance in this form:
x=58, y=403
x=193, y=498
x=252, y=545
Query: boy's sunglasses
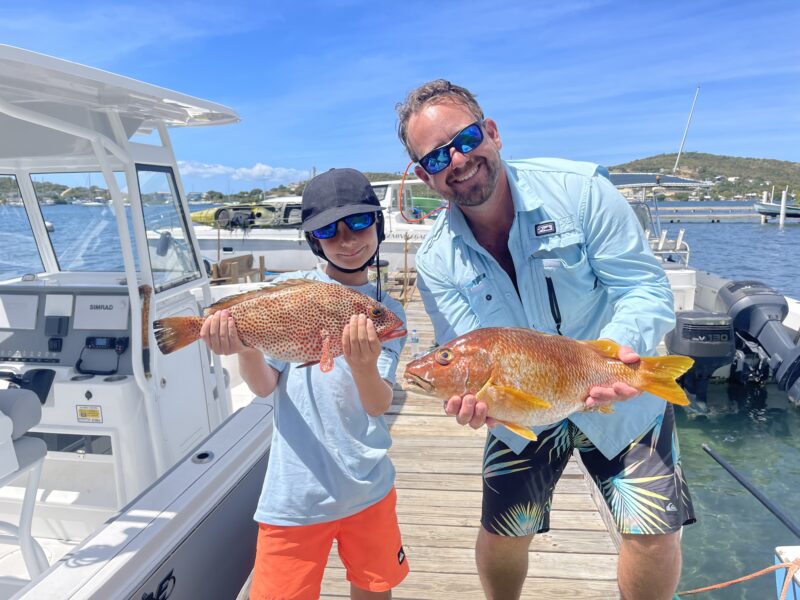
x=465, y=141
x=357, y=222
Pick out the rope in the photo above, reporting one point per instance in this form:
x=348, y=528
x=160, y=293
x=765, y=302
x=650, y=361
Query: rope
x=400, y=201
x=791, y=569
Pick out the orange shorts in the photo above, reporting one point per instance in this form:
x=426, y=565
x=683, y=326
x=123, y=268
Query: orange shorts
x=290, y=560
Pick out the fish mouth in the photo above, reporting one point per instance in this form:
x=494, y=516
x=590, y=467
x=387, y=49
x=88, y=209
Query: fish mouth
x=418, y=381
x=394, y=334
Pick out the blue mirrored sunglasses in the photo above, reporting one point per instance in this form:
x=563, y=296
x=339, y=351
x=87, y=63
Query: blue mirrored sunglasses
x=465, y=141
x=357, y=222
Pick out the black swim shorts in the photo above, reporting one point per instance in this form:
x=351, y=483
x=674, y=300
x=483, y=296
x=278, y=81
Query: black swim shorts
x=643, y=485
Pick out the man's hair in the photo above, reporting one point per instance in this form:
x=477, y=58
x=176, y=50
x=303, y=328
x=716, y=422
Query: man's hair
x=434, y=92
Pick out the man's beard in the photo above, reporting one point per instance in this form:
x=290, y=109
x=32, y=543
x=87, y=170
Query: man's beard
x=483, y=187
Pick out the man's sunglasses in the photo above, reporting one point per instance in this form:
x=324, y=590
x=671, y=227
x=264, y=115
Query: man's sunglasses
x=357, y=222
x=465, y=141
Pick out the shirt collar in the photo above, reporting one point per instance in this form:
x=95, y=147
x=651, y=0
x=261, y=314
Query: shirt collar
x=524, y=197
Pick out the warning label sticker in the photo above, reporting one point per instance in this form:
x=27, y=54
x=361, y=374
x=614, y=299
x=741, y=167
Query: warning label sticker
x=89, y=414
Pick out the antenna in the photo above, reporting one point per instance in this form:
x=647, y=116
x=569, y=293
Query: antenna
x=686, y=131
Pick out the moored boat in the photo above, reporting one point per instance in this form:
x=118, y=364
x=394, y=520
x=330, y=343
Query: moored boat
x=772, y=209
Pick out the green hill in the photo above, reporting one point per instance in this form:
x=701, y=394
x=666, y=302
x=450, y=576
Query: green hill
x=754, y=174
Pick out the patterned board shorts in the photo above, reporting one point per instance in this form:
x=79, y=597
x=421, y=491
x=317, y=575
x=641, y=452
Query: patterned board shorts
x=643, y=485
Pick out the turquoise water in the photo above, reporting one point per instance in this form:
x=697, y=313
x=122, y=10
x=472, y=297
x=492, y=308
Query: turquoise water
x=757, y=432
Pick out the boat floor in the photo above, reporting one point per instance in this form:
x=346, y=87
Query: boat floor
x=14, y=574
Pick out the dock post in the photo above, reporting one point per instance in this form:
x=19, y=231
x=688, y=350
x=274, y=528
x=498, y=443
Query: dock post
x=782, y=217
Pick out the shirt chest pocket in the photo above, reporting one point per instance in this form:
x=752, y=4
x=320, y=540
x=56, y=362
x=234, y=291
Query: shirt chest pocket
x=485, y=302
x=566, y=264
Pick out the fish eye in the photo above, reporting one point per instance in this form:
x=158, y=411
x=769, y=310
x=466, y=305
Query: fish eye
x=444, y=356
x=375, y=312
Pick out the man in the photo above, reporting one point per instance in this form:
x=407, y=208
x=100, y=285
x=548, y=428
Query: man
x=551, y=245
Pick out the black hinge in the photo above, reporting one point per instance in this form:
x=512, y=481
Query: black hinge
x=551, y=293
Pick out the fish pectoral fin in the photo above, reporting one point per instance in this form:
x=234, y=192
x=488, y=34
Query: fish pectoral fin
x=603, y=347
x=606, y=409
x=509, y=395
x=326, y=360
x=519, y=430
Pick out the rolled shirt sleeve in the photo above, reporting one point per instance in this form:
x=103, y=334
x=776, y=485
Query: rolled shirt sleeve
x=620, y=256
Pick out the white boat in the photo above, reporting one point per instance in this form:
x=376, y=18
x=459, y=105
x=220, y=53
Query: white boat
x=284, y=248
x=119, y=467
x=773, y=209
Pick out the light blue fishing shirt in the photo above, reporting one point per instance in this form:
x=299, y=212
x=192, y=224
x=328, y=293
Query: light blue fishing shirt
x=328, y=458
x=574, y=228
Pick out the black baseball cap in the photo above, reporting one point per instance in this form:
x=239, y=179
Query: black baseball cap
x=336, y=194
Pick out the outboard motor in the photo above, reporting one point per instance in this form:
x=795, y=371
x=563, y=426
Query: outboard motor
x=763, y=344
x=708, y=339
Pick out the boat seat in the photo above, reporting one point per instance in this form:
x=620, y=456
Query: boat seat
x=20, y=410
x=237, y=269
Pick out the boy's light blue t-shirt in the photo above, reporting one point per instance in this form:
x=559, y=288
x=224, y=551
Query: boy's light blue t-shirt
x=328, y=458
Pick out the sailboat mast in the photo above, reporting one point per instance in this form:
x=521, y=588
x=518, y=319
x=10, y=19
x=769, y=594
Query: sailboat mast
x=686, y=131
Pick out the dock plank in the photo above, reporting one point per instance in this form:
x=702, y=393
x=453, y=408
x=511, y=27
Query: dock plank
x=438, y=465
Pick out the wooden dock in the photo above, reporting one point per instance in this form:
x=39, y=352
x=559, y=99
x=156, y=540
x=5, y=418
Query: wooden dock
x=438, y=467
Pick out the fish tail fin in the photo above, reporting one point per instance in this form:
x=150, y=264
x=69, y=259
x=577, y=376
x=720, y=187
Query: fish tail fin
x=659, y=374
x=173, y=333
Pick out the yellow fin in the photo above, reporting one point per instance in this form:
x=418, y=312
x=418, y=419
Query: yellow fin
x=229, y=301
x=603, y=347
x=606, y=409
x=659, y=374
x=509, y=395
x=519, y=430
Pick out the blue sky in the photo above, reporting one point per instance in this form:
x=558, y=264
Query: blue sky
x=315, y=83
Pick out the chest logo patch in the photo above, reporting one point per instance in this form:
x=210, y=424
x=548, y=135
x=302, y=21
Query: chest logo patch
x=546, y=228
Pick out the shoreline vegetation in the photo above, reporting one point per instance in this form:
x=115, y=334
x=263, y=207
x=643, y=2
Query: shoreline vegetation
x=733, y=178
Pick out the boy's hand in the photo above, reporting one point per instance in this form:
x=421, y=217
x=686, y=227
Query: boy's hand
x=360, y=344
x=219, y=332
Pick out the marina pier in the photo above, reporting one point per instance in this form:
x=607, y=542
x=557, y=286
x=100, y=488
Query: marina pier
x=438, y=465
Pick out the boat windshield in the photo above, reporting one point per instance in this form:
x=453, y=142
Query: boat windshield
x=82, y=227
x=81, y=221
x=172, y=256
x=18, y=253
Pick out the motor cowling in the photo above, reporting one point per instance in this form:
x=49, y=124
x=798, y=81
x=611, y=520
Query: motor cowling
x=706, y=337
x=758, y=312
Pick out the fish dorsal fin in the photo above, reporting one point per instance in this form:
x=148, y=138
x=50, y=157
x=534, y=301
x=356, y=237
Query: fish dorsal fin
x=229, y=301
x=603, y=347
x=519, y=430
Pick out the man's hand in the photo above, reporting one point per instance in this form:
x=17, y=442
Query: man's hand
x=468, y=410
x=619, y=391
x=219, y=332
x=360, y=344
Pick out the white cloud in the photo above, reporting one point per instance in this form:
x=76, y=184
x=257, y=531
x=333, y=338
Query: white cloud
x=258, y=172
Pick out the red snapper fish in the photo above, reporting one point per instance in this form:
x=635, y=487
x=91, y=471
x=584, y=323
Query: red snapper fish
x=528, y=378
x=298, y=320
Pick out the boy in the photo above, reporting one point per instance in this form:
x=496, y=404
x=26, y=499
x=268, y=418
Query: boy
x=329, y=476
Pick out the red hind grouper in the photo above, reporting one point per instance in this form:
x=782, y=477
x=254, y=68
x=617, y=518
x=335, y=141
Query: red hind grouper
x=297, y=320
x=528, y=378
